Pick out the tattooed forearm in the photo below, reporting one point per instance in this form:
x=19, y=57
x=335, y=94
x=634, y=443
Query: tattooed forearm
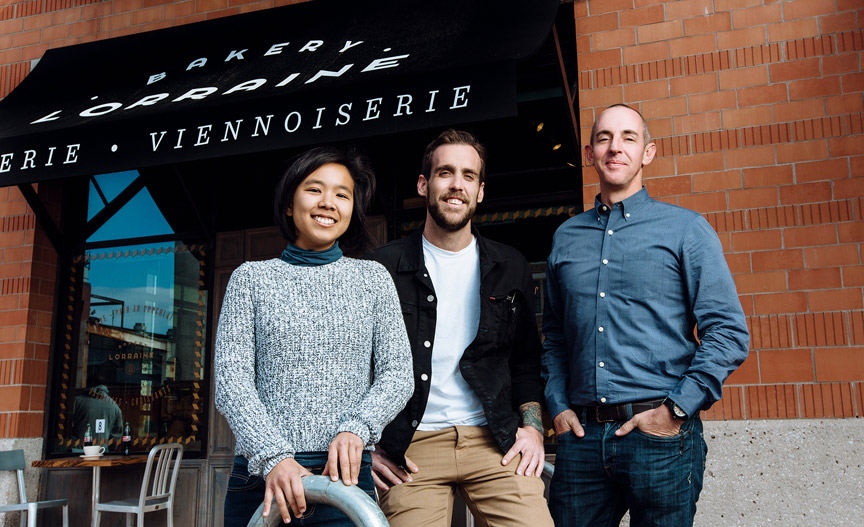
x=531, y=416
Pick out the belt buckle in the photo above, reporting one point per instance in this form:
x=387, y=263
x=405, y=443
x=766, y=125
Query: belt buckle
x=597, y=416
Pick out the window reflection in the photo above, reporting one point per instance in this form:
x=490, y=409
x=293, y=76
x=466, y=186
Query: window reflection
x=139, y=352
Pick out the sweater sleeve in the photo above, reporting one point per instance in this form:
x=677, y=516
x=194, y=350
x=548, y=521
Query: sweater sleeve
x=236, y=393
x=393, y=372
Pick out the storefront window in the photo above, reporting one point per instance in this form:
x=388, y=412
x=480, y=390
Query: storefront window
x=135, y=341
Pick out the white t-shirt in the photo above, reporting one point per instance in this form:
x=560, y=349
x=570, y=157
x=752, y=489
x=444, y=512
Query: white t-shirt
x=456, y=278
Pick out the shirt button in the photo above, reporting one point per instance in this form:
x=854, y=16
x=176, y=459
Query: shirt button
x=602, y=400
x=413, y=424
x=602, y=294
x=600, y=329
x=627, y=215
x=424, y=377
x=609, y=231
x=605, y=261
x=602, y=364
x=427, y=344
x=430, y=298
x=605, y=208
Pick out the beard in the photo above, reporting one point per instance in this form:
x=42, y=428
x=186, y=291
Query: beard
x=448, y=222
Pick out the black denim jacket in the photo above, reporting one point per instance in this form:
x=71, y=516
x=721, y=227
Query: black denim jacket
x=502, y=364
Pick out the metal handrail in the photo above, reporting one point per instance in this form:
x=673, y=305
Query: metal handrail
x=548, y=469
x=356, y=504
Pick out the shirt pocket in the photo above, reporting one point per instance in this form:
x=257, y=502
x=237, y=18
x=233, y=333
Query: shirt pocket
x=641, y=277
x=505, y=307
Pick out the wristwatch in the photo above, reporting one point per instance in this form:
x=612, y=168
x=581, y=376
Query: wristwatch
x=676, y=410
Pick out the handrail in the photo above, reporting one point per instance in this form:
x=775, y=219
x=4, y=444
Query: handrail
x=356, y=504
x=548, y=469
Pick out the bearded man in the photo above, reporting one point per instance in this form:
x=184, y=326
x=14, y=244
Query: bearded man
x=473, y=423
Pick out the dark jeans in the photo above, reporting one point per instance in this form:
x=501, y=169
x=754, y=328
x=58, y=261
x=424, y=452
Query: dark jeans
x=246, y=493
x=600, y=476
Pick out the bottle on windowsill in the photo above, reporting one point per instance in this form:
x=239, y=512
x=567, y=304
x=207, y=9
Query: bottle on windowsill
x=126, y=440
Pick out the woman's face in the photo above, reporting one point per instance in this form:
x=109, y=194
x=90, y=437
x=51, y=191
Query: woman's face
x=322, y=207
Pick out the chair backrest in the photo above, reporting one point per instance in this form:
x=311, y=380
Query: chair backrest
x=160, y=476
x=14, y=460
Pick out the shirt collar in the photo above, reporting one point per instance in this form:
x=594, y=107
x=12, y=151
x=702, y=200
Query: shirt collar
x=627, y=206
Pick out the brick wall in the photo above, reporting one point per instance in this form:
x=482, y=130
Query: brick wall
x=758, y=114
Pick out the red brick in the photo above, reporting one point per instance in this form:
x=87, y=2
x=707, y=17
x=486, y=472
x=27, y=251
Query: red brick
x=738, y=263
x=730, y=179
x=600, y=59
x=668, y=186
x=706, y=202
x=849, y=188
x=707, y=102
x=750, y=157
x=844, y=104
x=852, y=82
x=693, y=84
x=660, y=31
x=728, y=5
x=602, y=97
x=793, y=111
x=809, y=236
x=756, y=240
x=762, y=94
x=786, y=365
x=710, y=24
x=688, y=8
x=757, y=16
x=693, y=123
x=643, y=15
x=807, y=8
x=805, y=193
x=14, y=398
x=836, y=23
x=822, y=170
x=825, y=277
x=746, y=117
x=770, y=303
x=708, y=162
x=645, y=91
x=831, y=256
x=768, y=176
x=741, y=38
x=37, y=22
x=793, y=70
x=843, y=63
x=851, y=232
x=695, y=45
x=846, y=146
x=27, y=38
x=822, y=87
x=184, y=9
x=839, y=364
x=752, y=198
x=776, y=260
x=666, y=107
x=641, y=54
x=802, y=151
x=793, y=30
x=610, y=6
x=766, y=282
x=853, y=276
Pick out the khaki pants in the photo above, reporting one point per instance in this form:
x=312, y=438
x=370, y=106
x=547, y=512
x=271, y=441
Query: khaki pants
x=467, y=459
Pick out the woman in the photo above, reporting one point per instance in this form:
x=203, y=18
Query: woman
x=300, y=339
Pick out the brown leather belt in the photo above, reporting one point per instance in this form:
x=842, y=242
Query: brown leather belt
x=617, y=412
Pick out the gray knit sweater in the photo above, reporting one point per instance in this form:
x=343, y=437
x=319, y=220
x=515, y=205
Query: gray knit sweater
x=295, y=350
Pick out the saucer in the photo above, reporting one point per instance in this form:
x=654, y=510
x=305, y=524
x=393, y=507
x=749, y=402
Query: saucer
x=97, y=456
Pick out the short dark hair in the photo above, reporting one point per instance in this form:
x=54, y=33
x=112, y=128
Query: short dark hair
x=356, y=238
x=645, y=133
x=454, y=137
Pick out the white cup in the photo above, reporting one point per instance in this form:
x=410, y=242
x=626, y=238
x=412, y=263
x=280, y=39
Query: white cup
x=95, y=450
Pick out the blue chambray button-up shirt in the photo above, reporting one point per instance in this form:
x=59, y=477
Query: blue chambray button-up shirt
x=624, y=290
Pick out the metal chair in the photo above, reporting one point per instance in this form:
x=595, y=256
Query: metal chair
x=355, y=503
x=14, y=460
x=157, y=489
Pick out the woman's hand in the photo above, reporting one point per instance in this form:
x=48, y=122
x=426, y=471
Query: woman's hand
x=283, y=483
x=345, y=453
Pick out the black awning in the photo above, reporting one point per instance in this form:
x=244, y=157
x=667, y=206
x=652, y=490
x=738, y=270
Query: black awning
x=303, y=74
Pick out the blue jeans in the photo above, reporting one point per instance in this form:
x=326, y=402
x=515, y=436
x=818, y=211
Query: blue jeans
x=246, y=493
x=600, y=476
